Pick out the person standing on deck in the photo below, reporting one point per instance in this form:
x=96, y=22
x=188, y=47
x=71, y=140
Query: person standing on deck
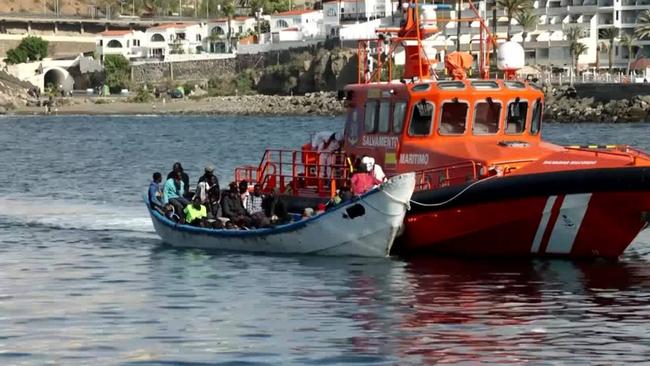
x=326, y=143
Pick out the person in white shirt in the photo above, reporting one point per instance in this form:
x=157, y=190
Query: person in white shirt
x=373, y=168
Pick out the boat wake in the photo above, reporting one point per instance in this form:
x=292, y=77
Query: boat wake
x=73, y=215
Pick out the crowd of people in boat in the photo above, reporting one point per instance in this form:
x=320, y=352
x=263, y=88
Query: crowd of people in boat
x=242, y=205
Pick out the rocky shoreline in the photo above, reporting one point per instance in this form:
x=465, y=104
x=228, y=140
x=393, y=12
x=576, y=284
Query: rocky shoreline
x=562, y=105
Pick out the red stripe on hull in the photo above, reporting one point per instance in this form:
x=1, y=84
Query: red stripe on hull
x=508, y=228
x=555, y=213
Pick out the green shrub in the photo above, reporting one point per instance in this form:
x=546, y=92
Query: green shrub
x=143, y=95
x=31, y=48
x=117, y=70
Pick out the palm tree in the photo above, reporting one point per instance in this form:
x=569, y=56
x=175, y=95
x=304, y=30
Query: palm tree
x=228, y=9
x=528, y=22
x=629, y=42
x=573, y=33
x=514, y=7
x=578, y=49
x=610, y=34
x=600, y=47
x=642, y=29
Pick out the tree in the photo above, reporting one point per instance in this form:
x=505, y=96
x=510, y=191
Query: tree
x=30, y=48
x=628, y=42
x=578, y=49
x=642, y=29
x=573, y=33
x=16, y=56
x=228, y=9
x=116, y=69
x=512, y=8
x=600, y=47
x=528, y=22
x=610, y=34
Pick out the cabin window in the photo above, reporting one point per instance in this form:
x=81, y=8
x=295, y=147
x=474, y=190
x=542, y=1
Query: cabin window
x=536, y=122
x=486, y=117
x=370, y=119
x=399, y=111
x=516, y=120
x=485, y=84
x=421, y=119
x=353, y=125
x=384, y=117
x=451, y=85
x=453, y=119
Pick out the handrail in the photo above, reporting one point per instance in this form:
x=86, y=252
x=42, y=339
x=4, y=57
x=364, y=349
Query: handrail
x=424, y=177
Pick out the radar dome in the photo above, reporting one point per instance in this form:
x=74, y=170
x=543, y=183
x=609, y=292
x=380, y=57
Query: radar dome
x=510, y=56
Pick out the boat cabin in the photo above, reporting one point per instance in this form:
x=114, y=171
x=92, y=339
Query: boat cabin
x=421, y=125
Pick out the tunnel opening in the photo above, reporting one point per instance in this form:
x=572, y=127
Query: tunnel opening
x=54, y=78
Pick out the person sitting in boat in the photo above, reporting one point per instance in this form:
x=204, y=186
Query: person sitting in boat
x=232, y=207
x=214, y=197
x=373, y=168
x=173, y=193
x=196, y=214
x=244, y=193
x=254, y=202
x=362, y=180
x=155, y=194
x=206, y=182
x=275, y=209
x=343, y=194
x=184, y=178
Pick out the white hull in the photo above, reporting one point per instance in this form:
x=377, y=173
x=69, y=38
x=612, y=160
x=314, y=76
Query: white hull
x=370, y=234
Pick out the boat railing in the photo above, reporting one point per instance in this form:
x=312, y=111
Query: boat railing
x=447, y=175
x=297, y=172
x=624, y=151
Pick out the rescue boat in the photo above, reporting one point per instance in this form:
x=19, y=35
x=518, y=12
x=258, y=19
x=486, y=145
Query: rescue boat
x=487, y=183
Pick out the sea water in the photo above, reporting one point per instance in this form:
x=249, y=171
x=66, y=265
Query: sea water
x=84, y=280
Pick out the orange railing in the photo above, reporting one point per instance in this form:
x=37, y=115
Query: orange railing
x=297, y=172
x=447, y=175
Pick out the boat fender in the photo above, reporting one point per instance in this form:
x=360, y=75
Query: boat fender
x=354, y=211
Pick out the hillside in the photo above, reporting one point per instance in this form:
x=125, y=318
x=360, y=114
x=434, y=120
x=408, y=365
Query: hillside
x=84, y=8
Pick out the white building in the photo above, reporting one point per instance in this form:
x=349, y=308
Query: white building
x=296, y=25
x=180, y=38
x=546, y=45
x=127, y=43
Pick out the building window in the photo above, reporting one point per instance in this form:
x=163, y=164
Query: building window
x=198, y=38
x=180, y=36
x=114, y=44
x=421, y=119
x=241, y=29
x=218, y=31
x=331, y=12
x=281, y=23
x=101, y=42
x=157, y=38
x=453, y=119
x=617, y=13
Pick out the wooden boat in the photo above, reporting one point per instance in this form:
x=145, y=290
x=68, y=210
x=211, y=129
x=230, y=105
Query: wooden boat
x=486, y=182
x=366, y=226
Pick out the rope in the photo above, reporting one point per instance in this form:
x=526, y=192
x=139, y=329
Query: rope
x=455, y=196
x=408, y=207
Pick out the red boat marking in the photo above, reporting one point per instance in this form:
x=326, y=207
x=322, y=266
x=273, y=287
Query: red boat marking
x=555, y=213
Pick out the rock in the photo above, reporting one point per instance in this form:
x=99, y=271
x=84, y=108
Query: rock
x=3, y=110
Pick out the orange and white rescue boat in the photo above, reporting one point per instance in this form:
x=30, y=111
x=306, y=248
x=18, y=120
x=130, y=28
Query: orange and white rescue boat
x=487, y=184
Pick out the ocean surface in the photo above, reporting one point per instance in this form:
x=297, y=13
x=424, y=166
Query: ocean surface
x=84, y=280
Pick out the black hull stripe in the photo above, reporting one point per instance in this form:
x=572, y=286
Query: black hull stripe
x=535, y=185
